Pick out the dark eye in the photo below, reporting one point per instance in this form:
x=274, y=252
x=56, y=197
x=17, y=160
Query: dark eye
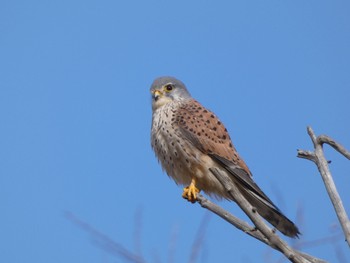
x=168, y=87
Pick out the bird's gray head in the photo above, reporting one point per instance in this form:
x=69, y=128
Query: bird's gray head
x=168, y=89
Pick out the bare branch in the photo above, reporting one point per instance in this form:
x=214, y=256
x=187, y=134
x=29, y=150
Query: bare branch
x=172, y=245
x=261, y=232
x=322, y=165
x=199, y=239
x=236, y=222
x=306, y=155
x=312, y=135
x=338, y=147
x=104, y=242
x=274, y=240
x=137, y=232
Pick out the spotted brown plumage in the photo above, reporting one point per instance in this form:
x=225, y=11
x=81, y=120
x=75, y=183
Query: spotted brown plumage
x=207, y=132
x=190, y=142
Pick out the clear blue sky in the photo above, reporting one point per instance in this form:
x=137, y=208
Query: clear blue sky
x=75, y=120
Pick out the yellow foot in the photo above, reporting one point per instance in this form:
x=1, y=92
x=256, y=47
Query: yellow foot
x=190, y=192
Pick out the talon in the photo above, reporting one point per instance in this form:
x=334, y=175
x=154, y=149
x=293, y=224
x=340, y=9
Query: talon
x=190, y=192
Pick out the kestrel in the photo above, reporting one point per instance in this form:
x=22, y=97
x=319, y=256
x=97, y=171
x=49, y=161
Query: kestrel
x=190, y=141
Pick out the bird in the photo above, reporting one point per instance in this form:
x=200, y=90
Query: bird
x=191, y=142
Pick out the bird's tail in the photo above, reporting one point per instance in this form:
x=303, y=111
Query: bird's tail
x=257, y=198
x=271, y=213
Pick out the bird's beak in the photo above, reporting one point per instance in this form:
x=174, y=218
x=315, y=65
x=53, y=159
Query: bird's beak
x=156, y=94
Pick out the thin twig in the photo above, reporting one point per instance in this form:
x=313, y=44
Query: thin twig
x=172, y=245
x=105, y=242
x=138, y=232
x=322, y=164
x=197, y=245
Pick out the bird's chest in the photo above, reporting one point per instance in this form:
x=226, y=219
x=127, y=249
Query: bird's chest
x=178, y=158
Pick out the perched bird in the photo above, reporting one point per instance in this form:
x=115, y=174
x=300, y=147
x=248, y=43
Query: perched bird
x=190, y=141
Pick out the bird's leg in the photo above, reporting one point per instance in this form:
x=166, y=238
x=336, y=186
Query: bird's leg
x=190, y=192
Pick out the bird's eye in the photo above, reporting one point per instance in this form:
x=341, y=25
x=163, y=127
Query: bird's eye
x=168, y=87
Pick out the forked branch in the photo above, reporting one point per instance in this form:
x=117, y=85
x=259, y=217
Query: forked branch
x=322, y=164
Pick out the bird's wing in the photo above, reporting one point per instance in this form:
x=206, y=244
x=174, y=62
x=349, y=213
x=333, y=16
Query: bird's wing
x=206, y=132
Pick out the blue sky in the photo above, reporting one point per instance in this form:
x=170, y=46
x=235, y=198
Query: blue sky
x=75, y=120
